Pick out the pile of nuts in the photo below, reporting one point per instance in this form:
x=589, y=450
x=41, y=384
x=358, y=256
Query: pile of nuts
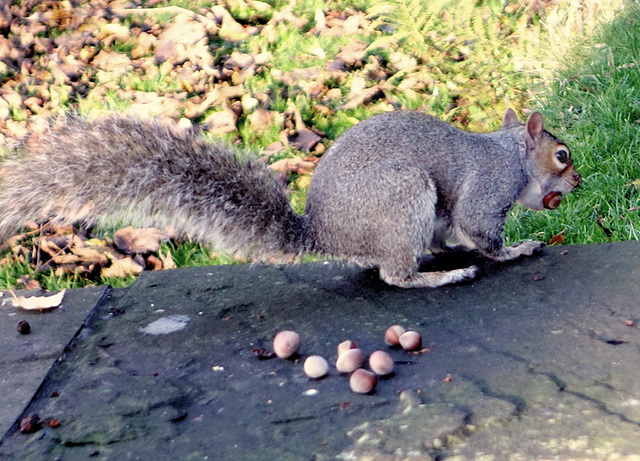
x=351, y=359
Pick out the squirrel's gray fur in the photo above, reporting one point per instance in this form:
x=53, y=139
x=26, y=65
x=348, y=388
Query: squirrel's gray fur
x=389, y=189
x=149, y=173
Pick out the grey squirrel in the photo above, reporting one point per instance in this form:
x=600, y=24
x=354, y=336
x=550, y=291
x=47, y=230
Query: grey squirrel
x=389, y=188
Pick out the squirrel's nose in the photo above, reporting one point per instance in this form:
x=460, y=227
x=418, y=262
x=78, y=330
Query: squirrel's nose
x=577, y=179
x=572, y=176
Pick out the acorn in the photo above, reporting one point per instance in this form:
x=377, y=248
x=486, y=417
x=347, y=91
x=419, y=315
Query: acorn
x=350, y=360
x=286, y=343
x=362, y=381
x=392, y=335
x=315, y=366
x=345, y=346
x=381, y=363
x=410, y=340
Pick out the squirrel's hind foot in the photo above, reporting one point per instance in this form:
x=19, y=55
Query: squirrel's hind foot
x=429, y=279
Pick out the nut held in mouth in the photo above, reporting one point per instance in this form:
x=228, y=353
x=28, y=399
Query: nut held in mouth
x=552, y=200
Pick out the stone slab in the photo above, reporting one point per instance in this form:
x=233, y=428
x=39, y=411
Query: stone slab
x=536, y=359
x=25, y=360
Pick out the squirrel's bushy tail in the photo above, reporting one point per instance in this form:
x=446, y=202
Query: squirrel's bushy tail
x=147, y=173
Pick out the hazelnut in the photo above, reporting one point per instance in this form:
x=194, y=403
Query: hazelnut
x=392, y=335
x=552, y=200
x=350, y=360
x=345, y=346
x=381, y=363
x=410, y=340
x=315, y=366
x=362, y=381
x=286, y=343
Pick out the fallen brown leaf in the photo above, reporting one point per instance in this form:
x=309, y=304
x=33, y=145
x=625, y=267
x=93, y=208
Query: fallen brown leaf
x=635, y=184
x=222, y=122
x=167, y=260
x=122, y=268
x=183, y=30
x=48, y=247
x=362, y=97
x=144, y=240
x=66, y=259
x=154, y=263
x=262, y=120
x=305, y=139
x=353, y=53
x=38, y=302
x=557, y=239
x=29, y=283
x=90, y=255
x=294, y=165
x=402, y=62
x=111, y=61
x=601, y=222
x=110, y=32
x=230, y=29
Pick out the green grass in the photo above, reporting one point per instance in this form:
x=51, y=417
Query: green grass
x=575, y=61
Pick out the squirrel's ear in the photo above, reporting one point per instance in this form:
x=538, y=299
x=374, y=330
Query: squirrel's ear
x=510, y=119
x=534, y=125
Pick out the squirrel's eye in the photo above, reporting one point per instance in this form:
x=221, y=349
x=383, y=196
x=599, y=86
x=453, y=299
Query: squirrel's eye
x=562, y=156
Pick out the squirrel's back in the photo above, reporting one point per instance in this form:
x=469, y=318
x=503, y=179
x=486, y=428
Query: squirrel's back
x=149, y=173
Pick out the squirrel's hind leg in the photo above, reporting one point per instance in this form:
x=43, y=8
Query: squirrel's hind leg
x=401, y=270
x=427, y=279
x=414, y=233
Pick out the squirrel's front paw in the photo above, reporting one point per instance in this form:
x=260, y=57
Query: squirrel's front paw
x=525, y=248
